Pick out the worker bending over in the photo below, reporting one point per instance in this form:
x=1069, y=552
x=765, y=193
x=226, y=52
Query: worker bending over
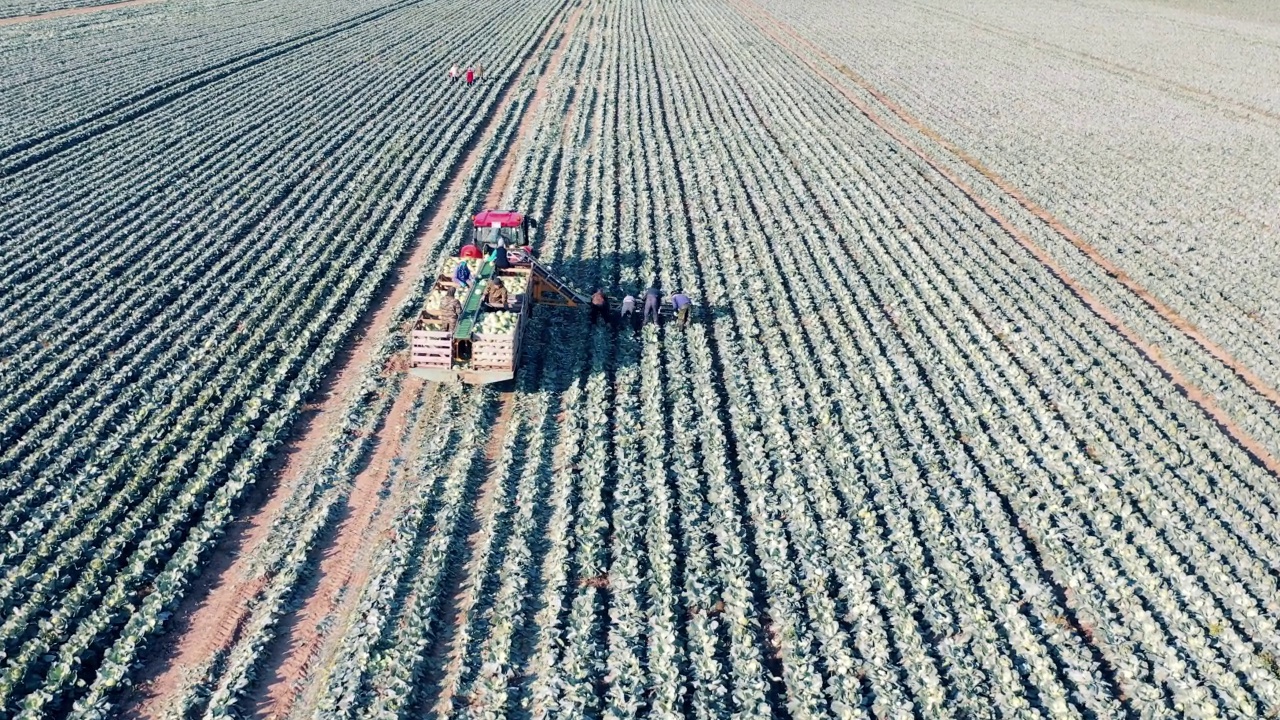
x=599, y=306
x=462, y=274
x=681, y=302
x=652, y=298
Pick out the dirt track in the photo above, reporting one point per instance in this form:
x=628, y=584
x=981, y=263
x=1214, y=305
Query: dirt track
x=306, y=647
x=210, y=619
x=458, y=594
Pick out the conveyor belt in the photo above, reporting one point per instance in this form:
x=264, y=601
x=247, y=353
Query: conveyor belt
x=560, y=286
x=474, y=302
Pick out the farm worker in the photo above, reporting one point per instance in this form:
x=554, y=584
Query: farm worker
x=652, y=297
x=681, y=303
x=479, y=72
x=450, y=309
x=599, y=306
x=462, y=274
x=500, y=255
x=453, y=73
x=495, y=296
x=471, y=76
x=470, y=252
x=628, y=308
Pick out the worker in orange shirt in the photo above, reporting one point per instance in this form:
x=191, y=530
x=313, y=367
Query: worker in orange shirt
x=599, y=306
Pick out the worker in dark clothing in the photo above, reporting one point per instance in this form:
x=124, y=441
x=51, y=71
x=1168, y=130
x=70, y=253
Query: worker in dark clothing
x=450, y=310
x=495, y=296
x=681, y=303
x=652, y=298
x=462, y=274
x=500, y=260
x=599, y=306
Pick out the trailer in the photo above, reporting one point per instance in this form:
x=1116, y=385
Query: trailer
x=482, y=345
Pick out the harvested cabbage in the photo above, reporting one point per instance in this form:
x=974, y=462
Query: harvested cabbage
x=498, y=323
x=449, y=264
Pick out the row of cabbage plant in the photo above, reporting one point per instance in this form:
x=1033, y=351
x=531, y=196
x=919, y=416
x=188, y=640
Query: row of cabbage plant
x=71, y=73
x=1242, y=468
x=892, y=467
x=1144, y=233
x=119, y=511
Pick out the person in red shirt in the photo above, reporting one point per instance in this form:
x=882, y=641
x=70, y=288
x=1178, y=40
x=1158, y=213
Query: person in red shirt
x=471, y=76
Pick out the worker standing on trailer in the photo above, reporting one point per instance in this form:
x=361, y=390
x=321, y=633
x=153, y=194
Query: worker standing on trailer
x=681, y=303
x=471, y=76
x=462, y=274
x=599, y=306
x=453, y=73
x=500, y=260
x=652, y=297
x=450, y=310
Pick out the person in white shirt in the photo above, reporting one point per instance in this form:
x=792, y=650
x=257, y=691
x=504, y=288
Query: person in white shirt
x=628, y=309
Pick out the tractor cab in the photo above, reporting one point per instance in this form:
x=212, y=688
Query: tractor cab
x=491, y=225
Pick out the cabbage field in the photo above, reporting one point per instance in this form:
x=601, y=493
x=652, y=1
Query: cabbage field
x=976, y=416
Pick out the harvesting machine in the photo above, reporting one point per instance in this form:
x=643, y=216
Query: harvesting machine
x=483, y=345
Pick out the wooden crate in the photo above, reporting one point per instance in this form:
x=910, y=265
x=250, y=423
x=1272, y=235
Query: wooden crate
x=431, y=348
x=494, y=352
